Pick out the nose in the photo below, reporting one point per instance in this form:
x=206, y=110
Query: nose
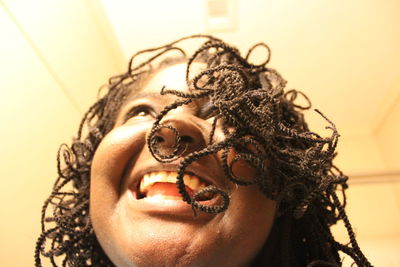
x=176, y=136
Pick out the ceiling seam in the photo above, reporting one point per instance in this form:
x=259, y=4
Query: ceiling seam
x=384, y=115
x=41, y=58
x=96, y=9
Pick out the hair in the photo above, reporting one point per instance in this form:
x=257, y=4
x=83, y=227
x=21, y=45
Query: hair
x=262, y=122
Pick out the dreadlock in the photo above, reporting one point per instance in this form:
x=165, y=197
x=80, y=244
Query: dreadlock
x=262, y=123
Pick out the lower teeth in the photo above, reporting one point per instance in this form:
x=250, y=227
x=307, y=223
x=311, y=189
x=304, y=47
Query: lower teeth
x=204, y=197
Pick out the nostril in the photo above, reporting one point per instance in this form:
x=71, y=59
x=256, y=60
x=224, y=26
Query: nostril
x=187, y=139
x=175, y=138
x=159, y=139
x=184, y=139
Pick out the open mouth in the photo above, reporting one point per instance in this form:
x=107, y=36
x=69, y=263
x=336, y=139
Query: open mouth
x=161, y=185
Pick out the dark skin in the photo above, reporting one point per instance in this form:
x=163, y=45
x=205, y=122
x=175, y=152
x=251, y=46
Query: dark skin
x=163, y=231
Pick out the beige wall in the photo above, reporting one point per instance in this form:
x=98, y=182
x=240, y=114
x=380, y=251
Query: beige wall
x=373, y=163
x=387, y=132
x=53, y=58
x=374, y=212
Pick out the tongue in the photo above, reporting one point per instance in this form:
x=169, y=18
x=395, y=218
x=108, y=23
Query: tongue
x=166, y=189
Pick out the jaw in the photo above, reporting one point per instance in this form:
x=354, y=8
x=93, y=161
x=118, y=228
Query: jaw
x=157, y=238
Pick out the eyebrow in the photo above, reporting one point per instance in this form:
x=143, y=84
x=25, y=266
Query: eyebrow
x=136, y=96
x=143, y=95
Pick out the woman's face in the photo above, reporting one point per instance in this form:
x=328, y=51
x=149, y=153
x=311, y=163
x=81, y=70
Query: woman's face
x=138, y=214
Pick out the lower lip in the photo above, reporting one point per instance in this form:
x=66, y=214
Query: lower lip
x=165, y=206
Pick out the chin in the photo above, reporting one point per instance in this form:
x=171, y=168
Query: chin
x=136, y=233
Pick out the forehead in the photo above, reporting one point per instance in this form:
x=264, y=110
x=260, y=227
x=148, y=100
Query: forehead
x=172, y=77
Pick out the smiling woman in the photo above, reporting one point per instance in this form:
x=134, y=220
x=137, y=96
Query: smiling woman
x=196, y=161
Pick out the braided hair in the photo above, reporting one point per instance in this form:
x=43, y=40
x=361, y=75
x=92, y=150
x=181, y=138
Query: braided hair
x=263, y=124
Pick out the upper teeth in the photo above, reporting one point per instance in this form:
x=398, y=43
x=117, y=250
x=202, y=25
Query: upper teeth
x=191, y=181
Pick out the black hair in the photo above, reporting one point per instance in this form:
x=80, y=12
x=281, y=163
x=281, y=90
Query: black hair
x=262, y=122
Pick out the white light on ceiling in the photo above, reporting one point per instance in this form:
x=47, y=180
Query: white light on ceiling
x=220, y=15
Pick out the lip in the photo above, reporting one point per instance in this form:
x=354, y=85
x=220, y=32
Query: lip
x=212, y=176
x=169, y=208
x=206, y=176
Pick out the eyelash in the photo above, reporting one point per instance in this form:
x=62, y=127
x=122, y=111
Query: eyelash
x=141, y=110
x=207, y=111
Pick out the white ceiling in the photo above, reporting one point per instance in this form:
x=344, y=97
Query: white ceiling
x=343, y=54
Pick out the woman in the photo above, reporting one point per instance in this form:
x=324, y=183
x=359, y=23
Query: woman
x=196, y=161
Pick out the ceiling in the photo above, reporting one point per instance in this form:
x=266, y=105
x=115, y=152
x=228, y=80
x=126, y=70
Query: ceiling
x=343, y=54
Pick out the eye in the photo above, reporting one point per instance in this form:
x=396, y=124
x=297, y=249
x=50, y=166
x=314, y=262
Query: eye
x=207, y=111
x=140, y=111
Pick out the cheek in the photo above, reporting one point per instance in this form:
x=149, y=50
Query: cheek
x=250, y=217
x=241, y=169
x=112, y=156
